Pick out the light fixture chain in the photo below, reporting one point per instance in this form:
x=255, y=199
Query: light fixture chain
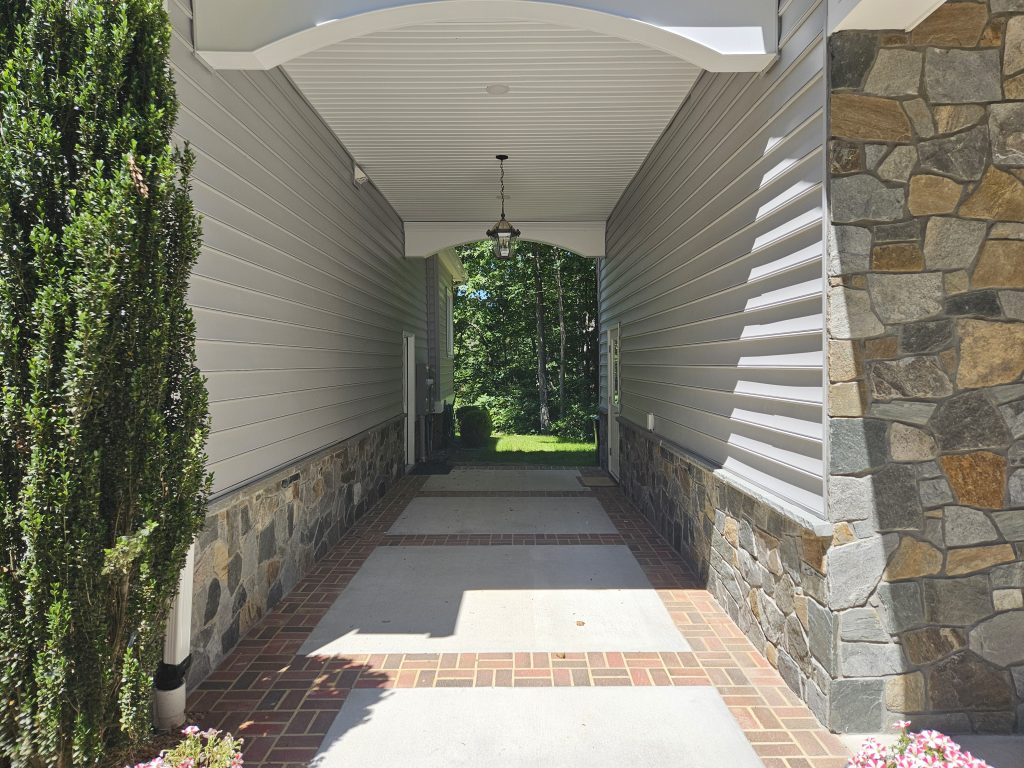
x=502, y=165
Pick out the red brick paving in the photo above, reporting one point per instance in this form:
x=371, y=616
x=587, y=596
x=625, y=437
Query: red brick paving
x=283, y=704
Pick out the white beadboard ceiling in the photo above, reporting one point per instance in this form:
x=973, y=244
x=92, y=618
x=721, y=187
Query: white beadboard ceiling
x=411, y=105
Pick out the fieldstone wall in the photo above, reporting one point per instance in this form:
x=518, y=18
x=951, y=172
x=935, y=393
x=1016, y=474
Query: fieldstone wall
x=261, y=540
x=926, y=353
x=766, y=568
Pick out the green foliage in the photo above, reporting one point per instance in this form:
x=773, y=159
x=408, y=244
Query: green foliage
x=200, y=749
x=496, y=338
x=533, y=449
x=103, y=412
x=474, y=425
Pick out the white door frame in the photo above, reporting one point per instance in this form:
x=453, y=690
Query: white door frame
x=409, y=395
x=614, y=395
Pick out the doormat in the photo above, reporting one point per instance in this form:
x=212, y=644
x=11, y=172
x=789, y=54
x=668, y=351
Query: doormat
x=432, y=468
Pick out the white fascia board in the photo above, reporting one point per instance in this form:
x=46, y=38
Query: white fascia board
x=426, y=238
x=450, y=260
x=720, y=36
x=878, y=14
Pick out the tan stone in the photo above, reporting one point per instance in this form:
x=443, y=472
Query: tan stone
x=857, y=282
x=847, y=399
x=990, y=353
x=905, y=693
x=1013, y=53
x=999, y=197
x=955, y=117
x=1001, y=265
x=913, y=559
x=732, y=531
x=868, y=118
x=956, y=282
x=800, y=608
x=978, y=479
x=1014, y=88
x=992, y=37
x=881, y=349
x=898, y=257
x=842, y=362
x=960, y=562
x=813, y=551
x=843, y=533
x=771, y=653
x=947, y=359
x=1008, y=599
x=933, y=195
x=957, y=25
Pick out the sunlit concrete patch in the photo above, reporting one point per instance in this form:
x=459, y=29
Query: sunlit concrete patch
x=433, y=515
x=496, y=599
x=686, y=727
x=537, y=480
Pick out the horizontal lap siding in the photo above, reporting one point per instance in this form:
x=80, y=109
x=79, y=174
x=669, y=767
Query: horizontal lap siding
x=714, y=271
x=301, y=293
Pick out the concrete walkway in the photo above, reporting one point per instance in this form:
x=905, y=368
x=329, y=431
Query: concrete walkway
x=506, y=618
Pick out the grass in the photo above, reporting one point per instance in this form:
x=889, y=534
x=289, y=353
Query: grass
x=531, y=449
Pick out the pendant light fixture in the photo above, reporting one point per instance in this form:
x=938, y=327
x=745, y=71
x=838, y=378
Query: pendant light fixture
x=503, y=233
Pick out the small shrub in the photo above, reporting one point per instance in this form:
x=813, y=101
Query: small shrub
x=474, y=425
x=575, y=424
x=200, y=749
x=927, y=749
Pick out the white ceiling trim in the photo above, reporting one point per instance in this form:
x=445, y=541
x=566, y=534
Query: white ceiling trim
x=425, y=238
x=879, y=14
x=722, y=36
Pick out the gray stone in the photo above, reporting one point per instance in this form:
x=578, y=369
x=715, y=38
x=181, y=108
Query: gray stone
x=862, y=625
x=851, y=55
x=1008, y=576
x=908, y=443
x=1007, y=393
x=234, y=572
x=899, y=164
x=951, y=243
x=1013, y=415
x=850, y=315
x=1012, y=303
x=1017, y=488
x=965, y=526
x=897, y=506
x=865, y=198
x=896, y=72
x=857, y=445
x=974, y=304
x=1006, y=127
x=854, y=571
x=796, y=643
x=928, y=469
x=957, y=602
x=911, y=413
x=856, y=706
x=1018, y=681
x=1015, y=455
x=850, y=498
x=268, y=543
x=969, y=421
x=935, y=493
x=1006, y=6
x=954, y=76
x=900, y=232
x=212, y=601
x=820, y=636
x=849, y=250
x=902, y=606
x=962, y=156
x=921, y=117
x=1010, y=523
x=964, y=681
x=772, y=619
x=870, y=659
x=909, y=378
x=1000, y=640
x=229, y=638
x=906, y=298
x=874, y=154
x=926, y=337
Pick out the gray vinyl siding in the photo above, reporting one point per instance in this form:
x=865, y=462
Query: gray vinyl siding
x=714, y=271
x=441, y=363
x=302, y=292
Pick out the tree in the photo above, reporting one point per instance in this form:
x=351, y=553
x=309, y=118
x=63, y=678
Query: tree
x=542, y=355
x=561, y=335
x=103, y=417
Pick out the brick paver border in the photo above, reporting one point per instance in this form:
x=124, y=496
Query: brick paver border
x=283, y=704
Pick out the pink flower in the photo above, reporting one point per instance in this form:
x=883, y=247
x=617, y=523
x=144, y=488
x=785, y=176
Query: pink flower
x=190, y=730
x=901, y=725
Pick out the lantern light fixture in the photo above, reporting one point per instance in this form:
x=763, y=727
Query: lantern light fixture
x=503, y=233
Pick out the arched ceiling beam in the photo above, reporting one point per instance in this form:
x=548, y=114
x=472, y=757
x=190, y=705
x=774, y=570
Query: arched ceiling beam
x=878, y=14
x=425, y=238
x=716, y=35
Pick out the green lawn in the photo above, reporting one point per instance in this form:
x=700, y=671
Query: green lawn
x=531, y=449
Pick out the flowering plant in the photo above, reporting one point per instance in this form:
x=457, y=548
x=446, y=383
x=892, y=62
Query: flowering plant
x=927, y=749
x=200, y=749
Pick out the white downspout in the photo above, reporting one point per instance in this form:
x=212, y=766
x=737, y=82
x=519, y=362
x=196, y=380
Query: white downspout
x=169, y=682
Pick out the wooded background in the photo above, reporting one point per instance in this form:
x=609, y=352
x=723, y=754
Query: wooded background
x=526, y=339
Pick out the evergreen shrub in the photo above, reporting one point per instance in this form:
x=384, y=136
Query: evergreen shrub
x=474, y=425
x=103, y=412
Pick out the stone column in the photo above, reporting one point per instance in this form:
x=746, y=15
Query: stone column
x=926, y=356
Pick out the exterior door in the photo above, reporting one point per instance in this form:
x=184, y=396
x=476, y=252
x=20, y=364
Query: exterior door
x=614, y=400
x=409, y=395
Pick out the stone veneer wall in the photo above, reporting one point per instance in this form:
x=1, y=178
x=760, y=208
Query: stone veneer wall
x=259, y=541
x=926, y=352
x=764, y=567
